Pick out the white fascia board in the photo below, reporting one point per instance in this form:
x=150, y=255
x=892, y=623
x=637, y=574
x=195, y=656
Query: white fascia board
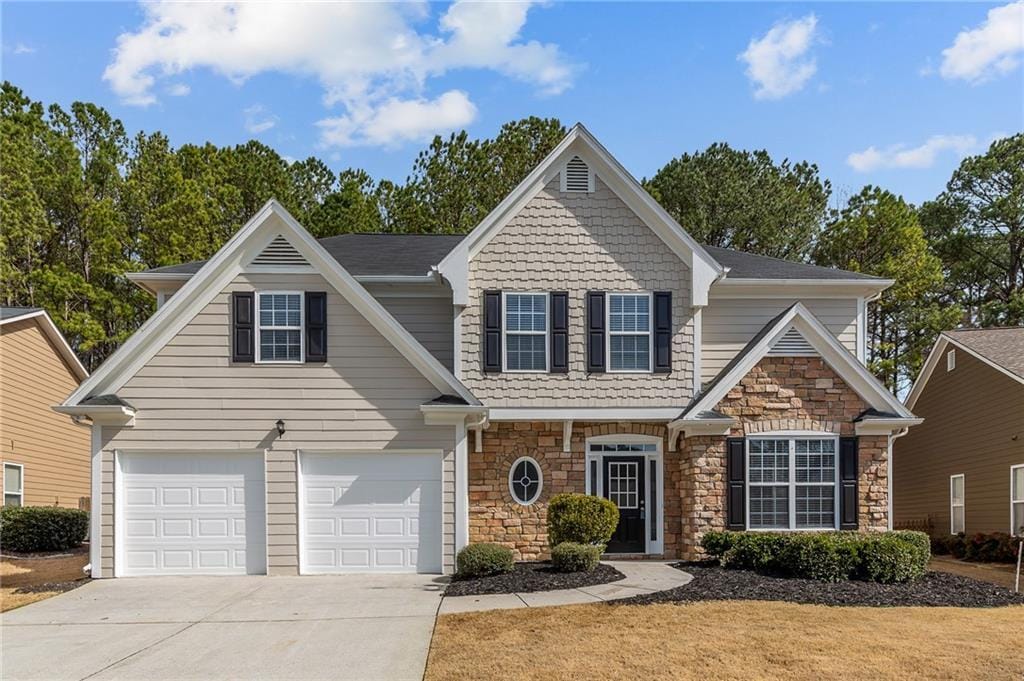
x=884, y=426
x=934, y=358
x=583, y=413
x=855, y=374
x=104, y=414
x=451, y=414
x=57, y=338
x=798, y=288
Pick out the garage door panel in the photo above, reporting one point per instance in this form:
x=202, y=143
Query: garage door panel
x=193, y=513
x=375, y=512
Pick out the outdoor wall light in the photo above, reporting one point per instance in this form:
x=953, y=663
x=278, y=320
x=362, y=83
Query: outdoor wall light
x=280, y=427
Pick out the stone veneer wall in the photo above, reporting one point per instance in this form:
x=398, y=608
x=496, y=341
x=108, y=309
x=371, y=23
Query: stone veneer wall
x=495, y=517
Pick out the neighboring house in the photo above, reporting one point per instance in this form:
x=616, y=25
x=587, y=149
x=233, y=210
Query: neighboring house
x=45, y=456
x=963, y=469
x=375, y=402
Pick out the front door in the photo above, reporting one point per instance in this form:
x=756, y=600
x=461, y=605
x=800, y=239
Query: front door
x=624, y=486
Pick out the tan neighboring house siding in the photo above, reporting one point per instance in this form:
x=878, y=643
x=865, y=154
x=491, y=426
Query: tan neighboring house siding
x=728, y=324
x=53, y=451
x=366, y=398
x=973, y=425
x=578, y=242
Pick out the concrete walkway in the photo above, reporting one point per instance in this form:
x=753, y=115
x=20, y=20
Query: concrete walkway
x=642, y=577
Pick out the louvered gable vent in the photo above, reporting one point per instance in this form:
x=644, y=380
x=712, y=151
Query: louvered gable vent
x=792, y=343
x=280, y=252
x=577, y=176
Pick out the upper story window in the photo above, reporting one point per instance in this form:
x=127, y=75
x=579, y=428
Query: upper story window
x=951, y=360
x=629, y=331
x=526, y=332
x=792, y=483
x=279, y=326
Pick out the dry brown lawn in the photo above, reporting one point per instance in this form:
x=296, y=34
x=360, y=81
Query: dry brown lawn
x=729, y=640
x=31, y=579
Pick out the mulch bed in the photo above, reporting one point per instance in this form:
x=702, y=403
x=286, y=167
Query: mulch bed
x=934, y=589
x=527, y=577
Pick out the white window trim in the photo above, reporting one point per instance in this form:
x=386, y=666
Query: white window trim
x=963, y=501
x=951, y=360
x=21, y=480
x=505, y=332
x=301, y=328
x=653, y=460
x=609, y=333
x=792, y=484
x=540, y=480
x=1013, y=502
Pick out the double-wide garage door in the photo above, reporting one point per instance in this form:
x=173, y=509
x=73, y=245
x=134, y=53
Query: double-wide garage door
x=370, y=513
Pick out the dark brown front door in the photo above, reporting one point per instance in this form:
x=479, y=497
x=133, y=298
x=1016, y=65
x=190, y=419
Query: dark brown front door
x=624, y=485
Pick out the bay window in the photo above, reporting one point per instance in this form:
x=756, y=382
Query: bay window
x=792, y=483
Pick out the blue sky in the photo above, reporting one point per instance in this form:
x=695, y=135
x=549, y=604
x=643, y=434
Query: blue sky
x=888, y=94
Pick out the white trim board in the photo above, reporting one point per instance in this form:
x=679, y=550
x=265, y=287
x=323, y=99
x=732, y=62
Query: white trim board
x=933, y=360
x=583, y=413
x=221, y=269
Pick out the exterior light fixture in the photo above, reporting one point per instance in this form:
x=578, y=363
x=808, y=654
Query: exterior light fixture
x=280, y=427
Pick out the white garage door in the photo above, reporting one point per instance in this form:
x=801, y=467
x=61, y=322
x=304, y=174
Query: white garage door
x=371, y=513
x=184, y=513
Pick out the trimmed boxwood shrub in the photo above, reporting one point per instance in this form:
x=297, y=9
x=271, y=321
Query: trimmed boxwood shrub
x=481, y=560
x=572, y=557
x=581, y=518
x=29, y=529
x=826, y=556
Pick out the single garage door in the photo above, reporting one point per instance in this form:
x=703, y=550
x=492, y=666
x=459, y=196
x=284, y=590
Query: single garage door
x=192, y=514
x=371, y=513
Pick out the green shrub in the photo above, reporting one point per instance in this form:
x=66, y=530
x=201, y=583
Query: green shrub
x=581, y=518
x=572, y=557
x=996, y=547
x=481, y=560
x=824, y=556
x=42, y=528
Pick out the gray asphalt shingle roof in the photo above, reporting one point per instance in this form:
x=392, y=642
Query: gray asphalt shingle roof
x=1004, y=346
x=414, y=254
x=11, y=312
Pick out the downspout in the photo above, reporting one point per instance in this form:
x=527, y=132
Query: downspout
x=889, y=476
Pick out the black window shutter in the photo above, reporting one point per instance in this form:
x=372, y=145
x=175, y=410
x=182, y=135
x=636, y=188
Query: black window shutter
x=736, y=480
x=559, y=333
x=663, y=332
x=595, y=332
x=849, y=513
x=492, y=331
x=316, y=326
x=243, y=332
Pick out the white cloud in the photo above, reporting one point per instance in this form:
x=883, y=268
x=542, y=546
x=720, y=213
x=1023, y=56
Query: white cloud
x=22, y=48
x=372, y=59
x=258, y=119
x=178, y=90
x=992, y=49
x=899, y=156
x=778, y=63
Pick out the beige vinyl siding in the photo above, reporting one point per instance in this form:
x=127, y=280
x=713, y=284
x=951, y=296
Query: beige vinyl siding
x=429, y=319
x=366, y=397
x=53, y=451
x=578, y=242
x=974, y=425
x=728, y=324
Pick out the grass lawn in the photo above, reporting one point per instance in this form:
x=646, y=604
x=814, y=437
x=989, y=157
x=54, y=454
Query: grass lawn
x=729, y=640
x=25, y=580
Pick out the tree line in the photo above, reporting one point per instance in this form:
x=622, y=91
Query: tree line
x=83, y=203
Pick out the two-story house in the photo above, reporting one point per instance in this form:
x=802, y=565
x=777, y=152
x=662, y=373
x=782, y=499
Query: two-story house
x=376, y=402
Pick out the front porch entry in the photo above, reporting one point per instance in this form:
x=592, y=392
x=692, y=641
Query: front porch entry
x=628, y=470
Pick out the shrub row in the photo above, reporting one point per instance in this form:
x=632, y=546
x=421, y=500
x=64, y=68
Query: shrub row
x=995, y=547
x=29, y=529
x=826, y=556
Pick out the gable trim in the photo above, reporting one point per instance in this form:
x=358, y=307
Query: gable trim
x=933, y=360
x=53, y=334
x=221, y=269
x=855, y=374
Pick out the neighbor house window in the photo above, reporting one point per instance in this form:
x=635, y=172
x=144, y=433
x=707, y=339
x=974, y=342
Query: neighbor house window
x=951, y=360
x=791, y=483
x=280, y=327
x=956, y=504
x=526, y=332
x=1017, y=500
x=525, y=481
x=14, y=484
x=629, y=331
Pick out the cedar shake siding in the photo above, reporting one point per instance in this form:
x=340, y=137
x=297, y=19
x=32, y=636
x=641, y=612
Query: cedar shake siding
x=53, y=451
x=973, y=425
x=365, y=398
x=578, y=242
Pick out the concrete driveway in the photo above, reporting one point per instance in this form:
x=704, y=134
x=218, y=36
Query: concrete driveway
x=339, y=627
